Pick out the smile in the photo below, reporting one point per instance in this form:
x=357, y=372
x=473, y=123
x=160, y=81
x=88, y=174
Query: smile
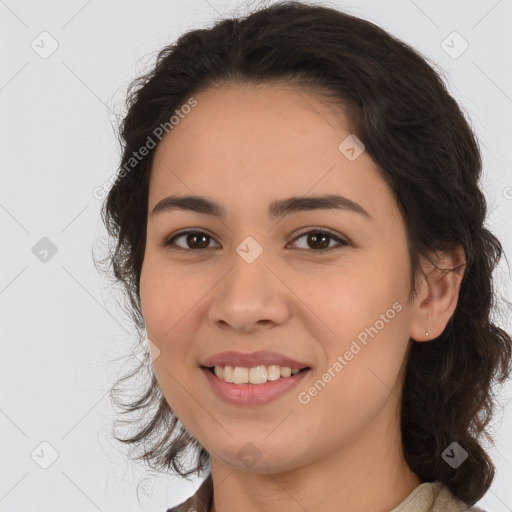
x=244, y=392
x=255, y=375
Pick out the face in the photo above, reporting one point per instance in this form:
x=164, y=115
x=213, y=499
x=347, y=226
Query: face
x=327, y=287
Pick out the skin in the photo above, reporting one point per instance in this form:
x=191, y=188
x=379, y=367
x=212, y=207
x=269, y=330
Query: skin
x=244, y=147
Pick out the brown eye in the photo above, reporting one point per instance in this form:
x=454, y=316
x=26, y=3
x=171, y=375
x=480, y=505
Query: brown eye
x=193, y=240
x=319, y=240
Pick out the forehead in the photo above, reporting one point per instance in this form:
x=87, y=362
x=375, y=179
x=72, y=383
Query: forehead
x=246, y=116
x=242, y=142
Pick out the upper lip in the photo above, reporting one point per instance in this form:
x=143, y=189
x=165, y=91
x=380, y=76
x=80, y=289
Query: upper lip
x=252, y=359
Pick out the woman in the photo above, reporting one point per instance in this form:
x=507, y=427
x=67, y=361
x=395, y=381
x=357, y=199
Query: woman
x=300, y=232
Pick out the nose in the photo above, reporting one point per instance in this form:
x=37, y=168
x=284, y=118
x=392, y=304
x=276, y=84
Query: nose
x=250, y=297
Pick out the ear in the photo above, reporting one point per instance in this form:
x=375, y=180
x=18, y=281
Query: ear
x=438, y=293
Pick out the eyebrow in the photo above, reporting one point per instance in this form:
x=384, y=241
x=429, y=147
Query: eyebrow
x=277, y=209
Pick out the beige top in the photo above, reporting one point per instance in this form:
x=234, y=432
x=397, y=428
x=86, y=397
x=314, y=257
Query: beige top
x=427, y=497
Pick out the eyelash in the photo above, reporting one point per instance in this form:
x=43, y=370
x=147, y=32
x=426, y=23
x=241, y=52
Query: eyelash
x=341, y=243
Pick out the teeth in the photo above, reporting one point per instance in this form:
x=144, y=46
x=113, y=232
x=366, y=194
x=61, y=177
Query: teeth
x=240, y=375
x=273, y=372
x=255, y=375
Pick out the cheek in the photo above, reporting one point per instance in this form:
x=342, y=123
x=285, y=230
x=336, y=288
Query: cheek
x=367, y=315
x=352, y=299
x=166, y=297
x=359, y=377
x=162, y=312
x=170, y=307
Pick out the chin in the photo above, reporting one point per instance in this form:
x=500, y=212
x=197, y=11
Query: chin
x=258, y=456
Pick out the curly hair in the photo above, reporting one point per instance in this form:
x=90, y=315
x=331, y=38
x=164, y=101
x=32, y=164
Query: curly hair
x=425, y=149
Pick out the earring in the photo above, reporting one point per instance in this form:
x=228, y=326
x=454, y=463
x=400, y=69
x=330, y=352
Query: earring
x=426, y=333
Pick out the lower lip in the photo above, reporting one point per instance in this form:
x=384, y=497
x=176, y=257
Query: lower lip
x=252, y=394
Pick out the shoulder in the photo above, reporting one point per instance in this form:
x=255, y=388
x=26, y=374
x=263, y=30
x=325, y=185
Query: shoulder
x=200, y=501
x=447, y=502
x=428, y=497
x=433, y=497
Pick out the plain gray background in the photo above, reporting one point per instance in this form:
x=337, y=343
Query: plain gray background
x=64, y=339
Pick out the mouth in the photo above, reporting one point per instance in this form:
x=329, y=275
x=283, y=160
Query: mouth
x=256, y=375
x=238, y=386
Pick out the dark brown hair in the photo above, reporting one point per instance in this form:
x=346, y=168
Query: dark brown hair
x=416, y=133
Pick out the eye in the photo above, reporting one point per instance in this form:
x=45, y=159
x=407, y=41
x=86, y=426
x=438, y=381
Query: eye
x=320, y=240
x=191, y=237
x=317, y=238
